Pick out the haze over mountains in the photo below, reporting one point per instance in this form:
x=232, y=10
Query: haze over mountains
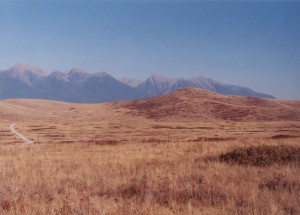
x=158, y=85
x=76, y=85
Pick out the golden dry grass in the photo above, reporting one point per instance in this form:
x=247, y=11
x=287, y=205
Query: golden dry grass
x=152, y=178
x=108, y=159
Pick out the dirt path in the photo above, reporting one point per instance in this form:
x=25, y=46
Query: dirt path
x=21, y=136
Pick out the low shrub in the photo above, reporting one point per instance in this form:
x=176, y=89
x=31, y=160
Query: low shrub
x=263, y=155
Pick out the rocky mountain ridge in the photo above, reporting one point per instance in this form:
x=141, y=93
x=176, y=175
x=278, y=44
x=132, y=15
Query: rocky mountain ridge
x=79, y=86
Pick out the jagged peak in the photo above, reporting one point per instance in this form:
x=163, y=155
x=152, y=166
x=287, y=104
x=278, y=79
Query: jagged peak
x=58, y=75
x=78, y=71
x=133, y=82
x=102, y=75
x=22, y=68
x=160, y=78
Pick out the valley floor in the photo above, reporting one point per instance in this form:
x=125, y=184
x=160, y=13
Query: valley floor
x=146, y=167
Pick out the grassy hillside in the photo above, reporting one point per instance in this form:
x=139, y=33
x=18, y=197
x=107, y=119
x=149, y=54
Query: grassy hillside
x=117, y=159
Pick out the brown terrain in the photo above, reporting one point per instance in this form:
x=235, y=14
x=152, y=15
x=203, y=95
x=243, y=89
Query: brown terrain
x=188, y=152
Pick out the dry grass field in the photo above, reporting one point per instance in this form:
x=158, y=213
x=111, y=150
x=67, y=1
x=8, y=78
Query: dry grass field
x=190, y=152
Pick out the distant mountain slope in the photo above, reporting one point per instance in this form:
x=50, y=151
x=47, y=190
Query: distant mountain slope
x=18, y=81
x=25, y=73
x=23, y=81
x=198, y=104
x=76, y=85
x=131, y=81
x=158, y=85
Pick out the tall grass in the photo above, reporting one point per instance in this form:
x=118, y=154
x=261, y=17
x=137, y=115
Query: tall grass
x=153, y=178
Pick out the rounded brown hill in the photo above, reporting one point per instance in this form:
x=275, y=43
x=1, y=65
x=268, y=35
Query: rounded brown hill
x=190, y=104
x=199, y=104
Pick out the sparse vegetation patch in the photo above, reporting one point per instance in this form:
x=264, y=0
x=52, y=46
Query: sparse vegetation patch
x=281, y=184
x=282, y=136
x=106, y=142
x=263, y=155
x=212, y=139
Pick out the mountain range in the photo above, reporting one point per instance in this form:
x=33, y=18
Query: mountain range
x=78, y=86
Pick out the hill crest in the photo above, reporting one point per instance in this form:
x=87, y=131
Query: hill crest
x=189, y=104
x=200, y=104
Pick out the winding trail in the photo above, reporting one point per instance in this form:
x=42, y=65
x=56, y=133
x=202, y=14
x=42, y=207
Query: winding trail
x=21, y=136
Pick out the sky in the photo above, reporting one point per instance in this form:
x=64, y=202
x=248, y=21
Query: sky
x=249, y=43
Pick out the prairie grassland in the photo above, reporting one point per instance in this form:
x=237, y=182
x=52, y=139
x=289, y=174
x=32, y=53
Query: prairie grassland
x=191, y=152
x=179, y=175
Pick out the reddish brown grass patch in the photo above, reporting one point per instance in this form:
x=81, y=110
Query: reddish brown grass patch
x=263, y=155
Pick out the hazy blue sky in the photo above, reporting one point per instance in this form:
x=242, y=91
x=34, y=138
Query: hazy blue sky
x=253, y=44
